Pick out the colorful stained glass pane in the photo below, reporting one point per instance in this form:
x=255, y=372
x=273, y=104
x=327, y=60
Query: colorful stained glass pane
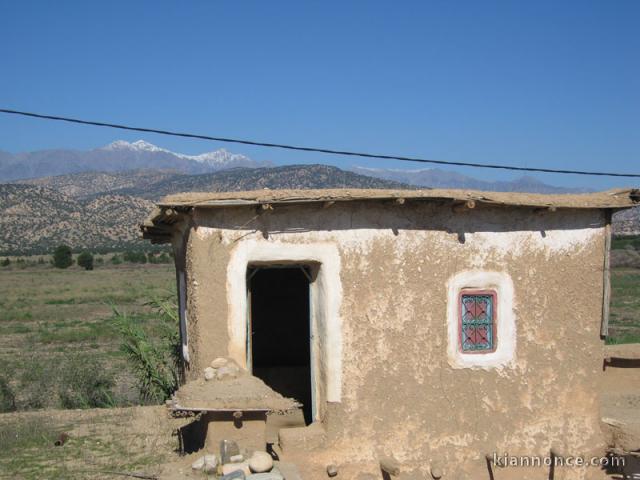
x=477, y=311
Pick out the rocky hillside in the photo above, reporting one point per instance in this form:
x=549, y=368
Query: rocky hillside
x=90, y=184
x=627, y=222
x=103, y=210
x=35, y=219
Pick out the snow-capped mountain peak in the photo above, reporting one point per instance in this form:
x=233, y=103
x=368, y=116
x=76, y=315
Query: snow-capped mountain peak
x=139, y=145
x=214, y=160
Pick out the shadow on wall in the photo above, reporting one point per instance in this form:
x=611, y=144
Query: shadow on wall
x=412, y=215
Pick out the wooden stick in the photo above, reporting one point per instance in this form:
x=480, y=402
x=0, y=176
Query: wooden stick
x=606, y=293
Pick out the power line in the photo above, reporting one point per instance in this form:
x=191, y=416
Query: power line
x=314, y=149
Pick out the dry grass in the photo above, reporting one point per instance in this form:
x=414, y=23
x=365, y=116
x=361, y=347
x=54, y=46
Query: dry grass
x=100, y=441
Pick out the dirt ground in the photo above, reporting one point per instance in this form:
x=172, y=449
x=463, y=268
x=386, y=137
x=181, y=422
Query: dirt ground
x=105, y=443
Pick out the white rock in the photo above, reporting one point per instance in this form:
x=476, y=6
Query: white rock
x=232, y=467
x=228, y=371
x=219, y=362
x=210, y=464
x=198, y=464
x=260, y=462
x=209, y=373
x=236, y=458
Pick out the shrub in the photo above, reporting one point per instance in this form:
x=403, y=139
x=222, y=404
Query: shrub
x=84, y=383
x=69, y=381
x=6, y=262
x=164, y=258
x=85, y=260
x=132, y=256
x=156, y=364
x=62, y=257
x=7, y=397
x=116, y=260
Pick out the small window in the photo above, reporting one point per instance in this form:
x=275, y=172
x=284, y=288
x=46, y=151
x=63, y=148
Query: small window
x=477, y=330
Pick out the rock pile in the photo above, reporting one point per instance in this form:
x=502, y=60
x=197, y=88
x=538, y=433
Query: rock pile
x=221, y=368
x=233, y=465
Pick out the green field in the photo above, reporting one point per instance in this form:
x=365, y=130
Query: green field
x=624, y=324
x=57, y=331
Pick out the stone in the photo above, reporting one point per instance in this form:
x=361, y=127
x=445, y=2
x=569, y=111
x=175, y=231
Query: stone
x=273, y=475
x=209, y=373
x=235, y=475
x=436, y=472
x=332, y=470
x=260, y=462
x=236, y=458
x=229, y=468
x=210, y=464
x=228, y=449
x=198, y=464
x=228, y=371
x=219, y=362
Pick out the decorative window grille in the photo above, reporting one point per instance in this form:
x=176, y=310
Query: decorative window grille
x=477, y=321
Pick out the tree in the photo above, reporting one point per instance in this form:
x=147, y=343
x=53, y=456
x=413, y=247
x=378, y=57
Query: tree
x=85, y=260
x=62, y=257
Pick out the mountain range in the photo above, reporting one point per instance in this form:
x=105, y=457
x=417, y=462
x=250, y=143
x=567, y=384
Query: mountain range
x=116, y=157
x=95, y=199
x=438, y=178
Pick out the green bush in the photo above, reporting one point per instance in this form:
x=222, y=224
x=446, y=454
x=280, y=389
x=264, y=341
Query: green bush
x=84, y=383
x=69, y=381
x=133, y=256
x=7, y=397
x=156, y=364
x=116, y=260
x=85, y=260
x=6, y=262
x=62, y=257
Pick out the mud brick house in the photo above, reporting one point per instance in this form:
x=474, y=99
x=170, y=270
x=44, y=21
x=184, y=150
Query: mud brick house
x=433, y=327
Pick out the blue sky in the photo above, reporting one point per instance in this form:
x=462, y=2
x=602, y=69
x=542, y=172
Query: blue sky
x=539, y=83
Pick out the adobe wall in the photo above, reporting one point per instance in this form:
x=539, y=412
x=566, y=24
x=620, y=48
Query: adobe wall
x=401, y=389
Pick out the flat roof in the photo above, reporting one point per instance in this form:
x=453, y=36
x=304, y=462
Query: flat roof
x=621, y=198
x=158, y=226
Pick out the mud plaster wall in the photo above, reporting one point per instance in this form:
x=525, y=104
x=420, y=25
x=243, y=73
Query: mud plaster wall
x=399, y=390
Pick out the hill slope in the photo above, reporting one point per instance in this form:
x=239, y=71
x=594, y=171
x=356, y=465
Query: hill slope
x=34, y=219
x=99, y=210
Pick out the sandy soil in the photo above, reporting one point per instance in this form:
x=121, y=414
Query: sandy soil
x=140, y=439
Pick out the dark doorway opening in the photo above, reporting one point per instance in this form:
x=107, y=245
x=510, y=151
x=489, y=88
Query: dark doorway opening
x=280, y=331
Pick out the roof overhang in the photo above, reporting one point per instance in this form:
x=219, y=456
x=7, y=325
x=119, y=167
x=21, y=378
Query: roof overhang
x=173, y=208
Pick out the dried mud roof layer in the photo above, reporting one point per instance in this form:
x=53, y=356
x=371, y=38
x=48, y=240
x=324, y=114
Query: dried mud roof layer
x=171, y=209
x=244, y=393
x=622, y=198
